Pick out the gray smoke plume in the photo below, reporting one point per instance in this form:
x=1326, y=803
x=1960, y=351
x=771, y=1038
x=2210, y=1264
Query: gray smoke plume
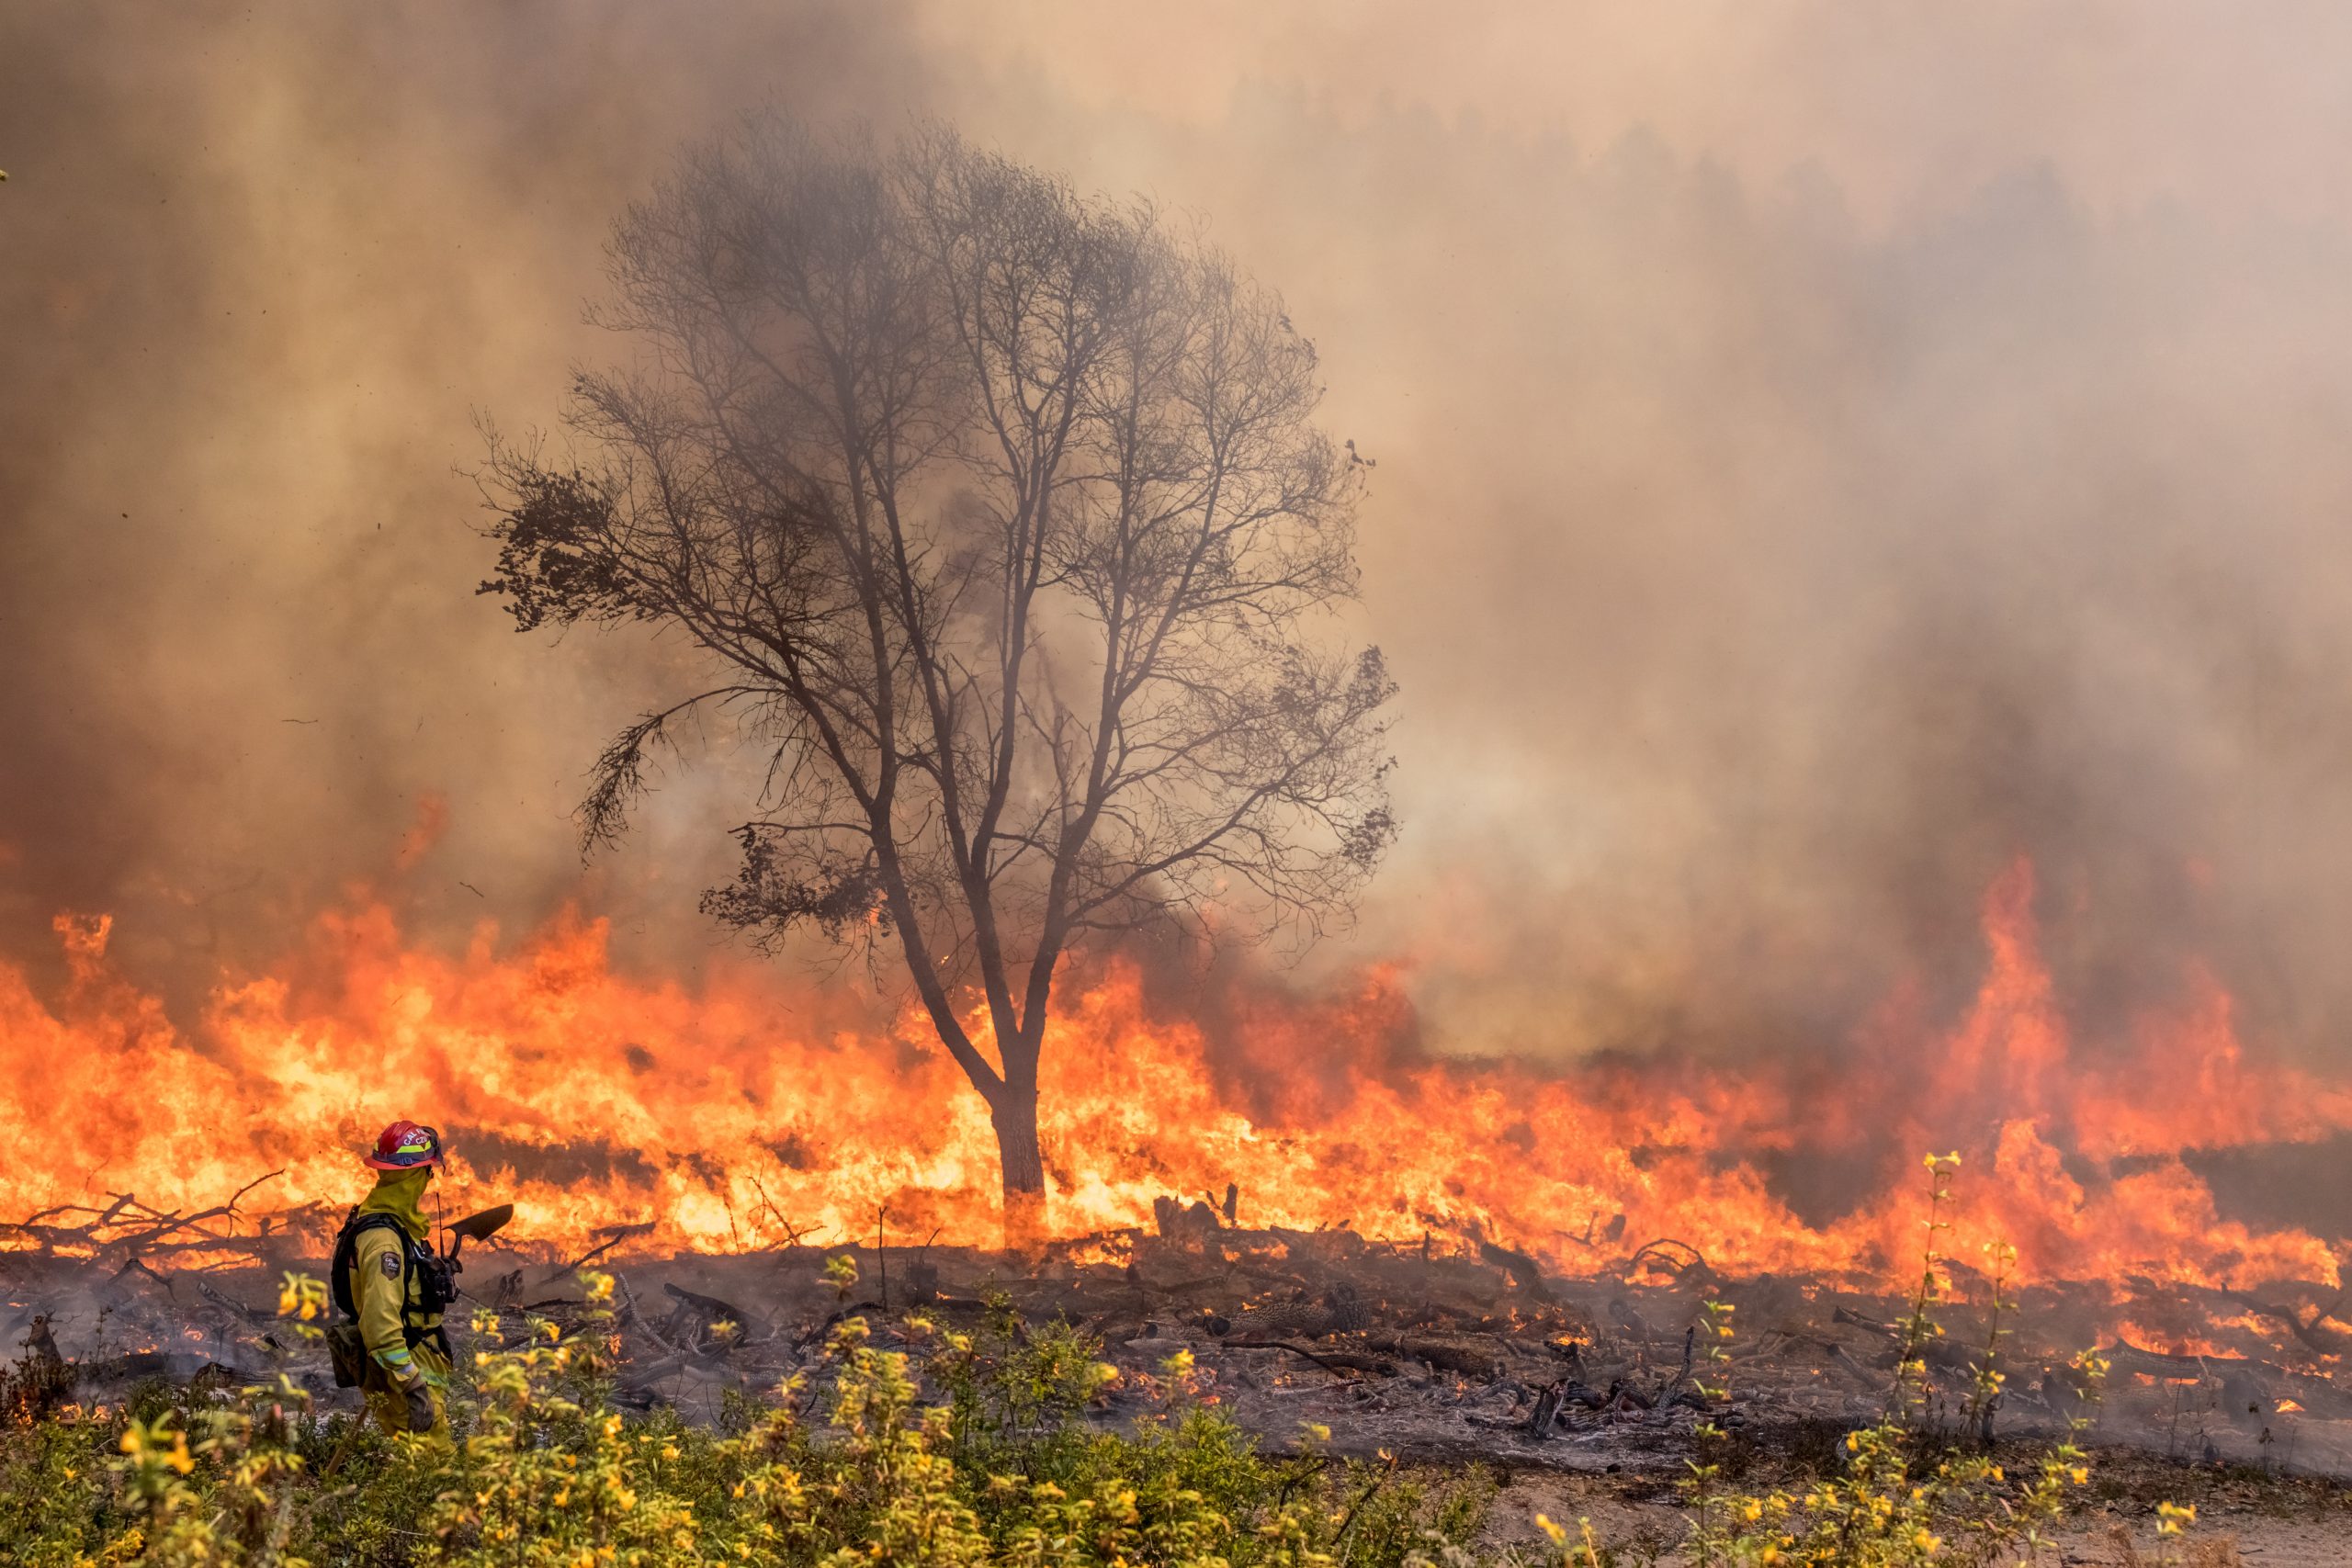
x=1820, y=463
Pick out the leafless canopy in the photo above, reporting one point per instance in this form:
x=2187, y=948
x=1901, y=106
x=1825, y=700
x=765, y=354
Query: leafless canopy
x=1003, y=519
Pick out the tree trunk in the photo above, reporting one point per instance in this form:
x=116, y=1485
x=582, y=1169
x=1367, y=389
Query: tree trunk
x=1015, y=1115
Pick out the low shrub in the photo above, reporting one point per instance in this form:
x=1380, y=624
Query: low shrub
x=847, y=1464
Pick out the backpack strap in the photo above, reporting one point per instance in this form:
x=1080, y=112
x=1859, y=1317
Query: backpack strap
x=347, y=1258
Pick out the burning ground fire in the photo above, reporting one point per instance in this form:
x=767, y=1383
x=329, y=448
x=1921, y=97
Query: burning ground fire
x=733, y=1117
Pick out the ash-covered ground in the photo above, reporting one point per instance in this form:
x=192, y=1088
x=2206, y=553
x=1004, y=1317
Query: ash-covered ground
x=1431, y=1351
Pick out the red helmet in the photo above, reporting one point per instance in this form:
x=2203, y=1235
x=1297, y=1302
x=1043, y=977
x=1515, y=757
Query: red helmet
x=405, y=1145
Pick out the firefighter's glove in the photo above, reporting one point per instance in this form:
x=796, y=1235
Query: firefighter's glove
x=420, y=1407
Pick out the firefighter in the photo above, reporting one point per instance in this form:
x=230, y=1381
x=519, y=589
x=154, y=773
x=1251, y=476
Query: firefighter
x=387, y=1277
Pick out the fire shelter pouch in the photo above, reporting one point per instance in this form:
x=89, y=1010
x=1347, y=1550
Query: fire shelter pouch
x=348, y=1352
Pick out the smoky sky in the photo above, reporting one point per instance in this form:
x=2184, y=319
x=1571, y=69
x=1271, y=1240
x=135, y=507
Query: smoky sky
x=1824, y=457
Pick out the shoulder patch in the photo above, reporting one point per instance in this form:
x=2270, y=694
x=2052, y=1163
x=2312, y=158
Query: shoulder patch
x=390, y=1264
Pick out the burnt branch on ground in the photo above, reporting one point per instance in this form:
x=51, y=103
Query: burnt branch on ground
x=1432, y=1346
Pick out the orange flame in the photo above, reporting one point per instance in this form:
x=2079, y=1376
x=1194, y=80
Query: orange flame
x=734, y=1116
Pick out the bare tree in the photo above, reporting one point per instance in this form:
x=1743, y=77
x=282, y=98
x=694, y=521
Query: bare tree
x=1001, y=517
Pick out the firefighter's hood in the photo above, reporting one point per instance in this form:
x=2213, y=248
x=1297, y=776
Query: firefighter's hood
x=401, y=1193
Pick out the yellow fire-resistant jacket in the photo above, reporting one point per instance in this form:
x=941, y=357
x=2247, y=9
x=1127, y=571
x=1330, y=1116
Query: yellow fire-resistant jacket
x=385, y=1291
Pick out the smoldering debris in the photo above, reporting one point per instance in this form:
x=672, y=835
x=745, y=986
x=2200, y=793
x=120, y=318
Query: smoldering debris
x=1439, y=1351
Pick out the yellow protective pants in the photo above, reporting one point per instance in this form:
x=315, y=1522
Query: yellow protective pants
x=389, y=1404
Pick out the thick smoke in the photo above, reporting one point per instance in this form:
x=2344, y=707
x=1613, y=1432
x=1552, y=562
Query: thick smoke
x=1820, y=463
x=263, y=268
